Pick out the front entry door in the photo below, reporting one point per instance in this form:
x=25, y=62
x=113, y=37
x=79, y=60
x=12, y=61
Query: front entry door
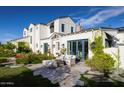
x=45, y=47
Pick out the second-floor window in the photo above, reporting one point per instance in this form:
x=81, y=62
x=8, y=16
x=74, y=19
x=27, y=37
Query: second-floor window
x=24, y=33
x=62, y=27
x=72, y=29
x=31, y=30
x=52, y=27
x=30, y=39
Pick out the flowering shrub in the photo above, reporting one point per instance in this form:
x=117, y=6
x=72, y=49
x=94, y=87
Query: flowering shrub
x=19, y=55
x=33, y=58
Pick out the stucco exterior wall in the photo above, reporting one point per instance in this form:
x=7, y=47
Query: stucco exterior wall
x=85, y=35
x=68, y=24
x=32, y=34
x=120, y=36
x=121, y=53
x=90, y=36
x=42, y=44
x=44, y=33
x=56, y=25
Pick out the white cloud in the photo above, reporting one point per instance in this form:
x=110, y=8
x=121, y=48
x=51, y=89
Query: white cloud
x=95, y=9
x=101, y=16
x=84, y=12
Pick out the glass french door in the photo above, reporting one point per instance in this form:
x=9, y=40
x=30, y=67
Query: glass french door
x=78, y=48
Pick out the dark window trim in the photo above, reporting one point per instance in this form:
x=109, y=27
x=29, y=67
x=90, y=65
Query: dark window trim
x=62, y=27
x=72, y=29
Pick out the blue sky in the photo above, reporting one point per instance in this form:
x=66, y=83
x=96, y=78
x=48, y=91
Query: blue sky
x=14, y=19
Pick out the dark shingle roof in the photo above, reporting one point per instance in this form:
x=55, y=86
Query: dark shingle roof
x=18, y=38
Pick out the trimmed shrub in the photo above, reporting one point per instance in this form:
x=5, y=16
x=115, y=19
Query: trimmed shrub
x=46, y=57
x=37, y=58
x=3, y=59
x=32, y=58
x=21, y=61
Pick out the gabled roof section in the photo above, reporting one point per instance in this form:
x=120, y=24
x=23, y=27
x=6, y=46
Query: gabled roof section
x=59, y=34
x=57, y=18
x=61, y=17
x=25, y=28
x=31, y=25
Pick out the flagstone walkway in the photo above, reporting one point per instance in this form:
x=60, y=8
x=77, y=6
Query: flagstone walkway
x=66, y=76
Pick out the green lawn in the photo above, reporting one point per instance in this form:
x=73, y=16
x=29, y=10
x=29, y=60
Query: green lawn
x=93, y=83
x=22, y=77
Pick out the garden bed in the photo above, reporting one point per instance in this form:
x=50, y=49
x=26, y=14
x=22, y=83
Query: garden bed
x=3, y=59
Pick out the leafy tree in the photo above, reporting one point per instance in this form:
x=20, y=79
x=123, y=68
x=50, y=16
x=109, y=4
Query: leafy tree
x=23, y=47
x=100, y=61
x=6, y=50
x=10, y=46
x=97, y=45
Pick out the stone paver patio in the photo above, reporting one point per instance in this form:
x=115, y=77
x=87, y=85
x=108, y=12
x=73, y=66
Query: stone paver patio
x=66, y=76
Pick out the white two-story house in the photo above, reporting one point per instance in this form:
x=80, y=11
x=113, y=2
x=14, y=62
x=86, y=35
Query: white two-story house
x=62, y=32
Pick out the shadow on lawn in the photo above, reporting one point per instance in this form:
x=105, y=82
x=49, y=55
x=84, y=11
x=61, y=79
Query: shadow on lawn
x=100, y=81
x=25, y=79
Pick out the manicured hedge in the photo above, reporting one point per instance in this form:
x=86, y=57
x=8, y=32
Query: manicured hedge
x=21, y=61
x=20, y=55
x=32, y=58
x=7, y=53
x=3, y=59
